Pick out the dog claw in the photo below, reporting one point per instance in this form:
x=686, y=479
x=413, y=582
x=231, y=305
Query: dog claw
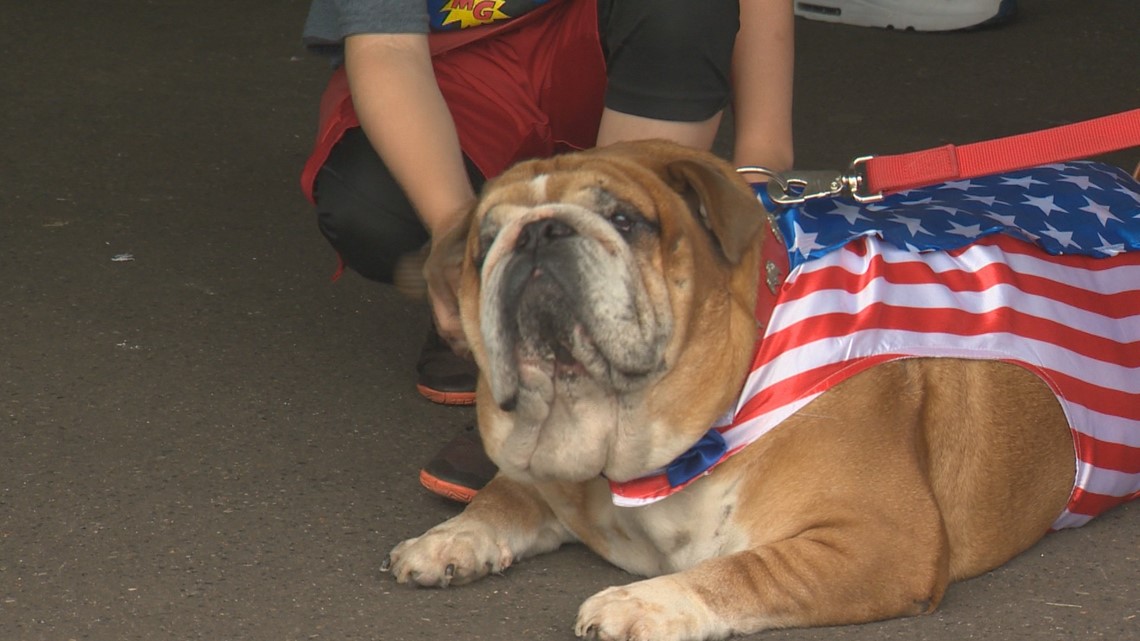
x=448, y=575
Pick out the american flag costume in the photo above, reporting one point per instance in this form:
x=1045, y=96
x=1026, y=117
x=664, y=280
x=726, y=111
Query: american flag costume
x=1037, y=267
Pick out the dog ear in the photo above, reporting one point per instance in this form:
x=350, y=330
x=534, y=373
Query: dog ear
x=724, y=203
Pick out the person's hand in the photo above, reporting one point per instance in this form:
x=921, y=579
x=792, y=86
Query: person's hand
x=434, y=270
x=442, y=267
x=441, y=271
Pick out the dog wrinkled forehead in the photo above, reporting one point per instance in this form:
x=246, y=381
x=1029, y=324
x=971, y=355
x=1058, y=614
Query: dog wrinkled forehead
x=596, y=184
x=644, y=189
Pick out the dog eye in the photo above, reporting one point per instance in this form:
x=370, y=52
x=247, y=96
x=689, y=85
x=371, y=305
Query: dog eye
x=622, y=222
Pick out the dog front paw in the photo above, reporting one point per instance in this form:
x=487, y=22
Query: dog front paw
x=454, y=552
x=657, y=609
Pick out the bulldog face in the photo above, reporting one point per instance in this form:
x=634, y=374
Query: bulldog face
x=600, y=293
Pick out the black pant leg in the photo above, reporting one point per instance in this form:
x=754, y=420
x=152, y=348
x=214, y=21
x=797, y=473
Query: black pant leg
x=363, y=211
x=669, y=59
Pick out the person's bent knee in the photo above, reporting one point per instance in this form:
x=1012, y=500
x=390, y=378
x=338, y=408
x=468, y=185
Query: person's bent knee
x=362, y=211
x=364, y=247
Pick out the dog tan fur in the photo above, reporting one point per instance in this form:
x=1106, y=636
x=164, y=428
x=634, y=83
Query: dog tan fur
x=864, y=505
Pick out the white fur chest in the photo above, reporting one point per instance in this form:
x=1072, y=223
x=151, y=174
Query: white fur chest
x=664, y=537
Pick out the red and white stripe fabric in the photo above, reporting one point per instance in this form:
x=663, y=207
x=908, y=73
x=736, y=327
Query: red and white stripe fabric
x=1074, y=321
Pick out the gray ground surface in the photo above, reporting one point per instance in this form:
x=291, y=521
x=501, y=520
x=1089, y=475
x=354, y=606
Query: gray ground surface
x=212, y=441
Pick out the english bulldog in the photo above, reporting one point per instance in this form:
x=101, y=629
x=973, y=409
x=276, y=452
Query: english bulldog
x=619, y=300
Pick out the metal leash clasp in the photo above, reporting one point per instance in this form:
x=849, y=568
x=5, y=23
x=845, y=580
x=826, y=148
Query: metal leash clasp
x=798, y=187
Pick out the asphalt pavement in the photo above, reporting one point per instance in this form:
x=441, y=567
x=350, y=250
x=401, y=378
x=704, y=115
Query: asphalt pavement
x=203, y=437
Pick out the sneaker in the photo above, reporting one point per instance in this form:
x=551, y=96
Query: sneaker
x=460, y=469
x=444, y=377
x=917, y=15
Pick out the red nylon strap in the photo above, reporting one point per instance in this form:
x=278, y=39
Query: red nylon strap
x=888, y=174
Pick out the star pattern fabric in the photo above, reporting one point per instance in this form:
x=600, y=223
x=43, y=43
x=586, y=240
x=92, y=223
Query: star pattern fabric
x=1083, y=208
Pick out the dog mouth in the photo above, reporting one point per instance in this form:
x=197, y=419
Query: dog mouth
x=573, y=314
x=549, y=335
x=559, y=343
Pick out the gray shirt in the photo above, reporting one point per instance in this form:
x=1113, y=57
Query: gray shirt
x=331, y=21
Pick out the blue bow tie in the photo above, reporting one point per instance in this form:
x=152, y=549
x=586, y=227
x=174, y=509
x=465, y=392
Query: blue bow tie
x=699, y=458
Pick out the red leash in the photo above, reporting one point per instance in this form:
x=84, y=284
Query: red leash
x=888, y=174
x=872, y=177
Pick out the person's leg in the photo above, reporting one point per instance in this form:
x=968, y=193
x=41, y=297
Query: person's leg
x=763, y=65
x=362, y=211
x=366, y=217
x=669, y=69
x=617, y=126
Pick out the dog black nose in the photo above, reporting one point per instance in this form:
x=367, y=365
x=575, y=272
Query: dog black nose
x=541, y=233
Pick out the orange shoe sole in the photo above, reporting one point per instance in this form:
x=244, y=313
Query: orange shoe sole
x=446, y=398
x=445, y=489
